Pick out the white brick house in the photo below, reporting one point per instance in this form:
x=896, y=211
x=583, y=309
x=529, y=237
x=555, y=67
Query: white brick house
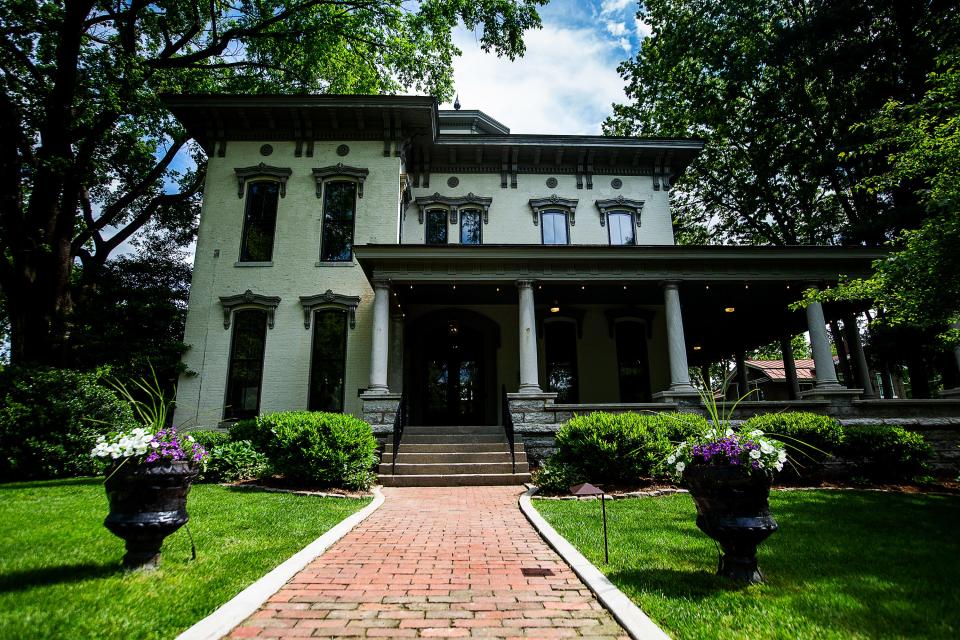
x=353, y=249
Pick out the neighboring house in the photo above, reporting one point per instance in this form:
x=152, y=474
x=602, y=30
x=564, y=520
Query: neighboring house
x=769, y=378
x=352, y=249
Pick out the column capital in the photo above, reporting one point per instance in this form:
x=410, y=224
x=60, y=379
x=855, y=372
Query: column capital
x=381, y=283
x=524, y=284
x=670, y=284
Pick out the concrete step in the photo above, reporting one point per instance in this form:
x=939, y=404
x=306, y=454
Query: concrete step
x=453, y=457
x=454, y=447
x=452, y=430
x=463, y=468
x=464, y=438
x=462, y=480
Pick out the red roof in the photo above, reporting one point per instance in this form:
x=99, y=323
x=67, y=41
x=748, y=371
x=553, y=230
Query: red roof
x=774, y=370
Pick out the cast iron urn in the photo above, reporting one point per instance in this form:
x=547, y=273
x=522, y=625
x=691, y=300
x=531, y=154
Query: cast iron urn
x=733, y=509
x=148, y=502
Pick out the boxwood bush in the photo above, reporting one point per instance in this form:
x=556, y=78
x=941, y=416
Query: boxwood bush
x=810, y=436
x=620, y=448
x=886, y=453
x=328, y=449
x=50, y=420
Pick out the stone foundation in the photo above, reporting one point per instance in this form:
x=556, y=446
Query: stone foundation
x=379, y=411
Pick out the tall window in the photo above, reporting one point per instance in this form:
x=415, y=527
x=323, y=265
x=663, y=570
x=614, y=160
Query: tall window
x=621, y=228
x=554, y=224
x=560, y=344
x=436, y=227
x=339, y=208
x=246, y=364
x=259, y=222
x=632, y=362
x=328, y=361
x=470, y=227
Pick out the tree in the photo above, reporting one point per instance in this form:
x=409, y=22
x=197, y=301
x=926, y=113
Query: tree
x=775, y=89
x=918, y=285
x=90, y=155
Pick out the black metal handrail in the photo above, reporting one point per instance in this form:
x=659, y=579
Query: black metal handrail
x=399, y=422
x=508, y=424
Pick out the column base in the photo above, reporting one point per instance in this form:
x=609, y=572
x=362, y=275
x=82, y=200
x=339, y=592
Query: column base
x=833, y=393
x=376, y=391
x=683, y=397
x=529, y=390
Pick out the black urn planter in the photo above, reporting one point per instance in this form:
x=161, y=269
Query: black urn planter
x=148, y=502
x=733, y=509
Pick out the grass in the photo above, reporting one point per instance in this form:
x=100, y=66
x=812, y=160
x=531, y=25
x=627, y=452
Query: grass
x=843, y=565
x=60, y=573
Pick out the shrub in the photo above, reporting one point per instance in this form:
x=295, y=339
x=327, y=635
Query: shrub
x=886, y=453
x=234, y=461
x=209, y=438
x=330, y=449
x=680, y=426
x=557, y=477
x=812, y=435
x=621, y=448
x=250, y=430
x=50, y=420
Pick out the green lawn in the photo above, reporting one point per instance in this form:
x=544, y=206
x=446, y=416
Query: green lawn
x=60, y=571
x=843, y=565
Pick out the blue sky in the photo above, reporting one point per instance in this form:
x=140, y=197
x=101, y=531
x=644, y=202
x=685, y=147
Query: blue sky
x=567, y=81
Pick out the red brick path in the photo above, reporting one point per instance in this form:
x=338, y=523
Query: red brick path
x=436, y=562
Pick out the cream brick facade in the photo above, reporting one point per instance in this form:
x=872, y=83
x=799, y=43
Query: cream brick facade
x=295, y=270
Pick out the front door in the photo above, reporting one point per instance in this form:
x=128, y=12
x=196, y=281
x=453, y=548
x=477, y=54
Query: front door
x=453, y=377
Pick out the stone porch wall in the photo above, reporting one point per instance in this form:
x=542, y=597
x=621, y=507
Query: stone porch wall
x=537, y=419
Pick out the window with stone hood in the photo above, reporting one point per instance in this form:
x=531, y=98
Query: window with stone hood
x=328, y=362
x=621, y=227
x=470, y=227
x=554, y=225
x=259, y=221
x=245, y=375
x=339, y=214
x=435, y=229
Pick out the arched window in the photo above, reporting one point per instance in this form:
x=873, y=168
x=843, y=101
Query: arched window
x=560, y=350
x=435, y=230
x=470, y=226
x=620, y=224
x=259, y=221
x=245, y=372
x=554, y=226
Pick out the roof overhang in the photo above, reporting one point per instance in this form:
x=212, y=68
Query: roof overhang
x=577, y=263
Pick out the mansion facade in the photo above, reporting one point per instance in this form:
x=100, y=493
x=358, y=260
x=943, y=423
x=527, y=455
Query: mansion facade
x=353, y=251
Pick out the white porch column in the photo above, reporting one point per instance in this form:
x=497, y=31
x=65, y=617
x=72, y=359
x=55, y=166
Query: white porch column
x=676, y=342
x=381, y=338
x=820, y=345
x=529, y=376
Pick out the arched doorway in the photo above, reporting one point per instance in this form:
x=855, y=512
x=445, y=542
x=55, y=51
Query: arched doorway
x=452, y=377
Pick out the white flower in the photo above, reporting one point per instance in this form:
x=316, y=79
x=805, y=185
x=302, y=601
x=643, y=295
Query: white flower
x=712, y=433
x=760, y=464
x=782, y=456
x=779, y=465
x=755, y=454
x=671, y=459
x=756, y=433
x=729, y=432
x=680, y=467
x=766, y=447
x=191, y=439
x=681, y=447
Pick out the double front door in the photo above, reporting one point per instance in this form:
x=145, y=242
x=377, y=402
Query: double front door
x=453, y=377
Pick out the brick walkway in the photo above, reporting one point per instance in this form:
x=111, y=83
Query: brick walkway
x=436, y=562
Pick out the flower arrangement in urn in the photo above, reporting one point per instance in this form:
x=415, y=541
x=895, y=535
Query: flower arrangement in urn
x=728, y=474
x=149, y=473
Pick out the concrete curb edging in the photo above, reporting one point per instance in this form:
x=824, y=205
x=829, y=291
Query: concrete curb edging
x=244, y=604
x=631, y=618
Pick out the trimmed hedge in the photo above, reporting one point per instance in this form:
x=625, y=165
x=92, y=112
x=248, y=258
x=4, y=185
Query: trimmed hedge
x=50, y=420
x=235, y=461
x=620, y=448
x=885, y=453
x=329, y=449
x=814, y=436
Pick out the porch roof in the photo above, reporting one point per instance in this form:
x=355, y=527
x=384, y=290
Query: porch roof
x=578, y=263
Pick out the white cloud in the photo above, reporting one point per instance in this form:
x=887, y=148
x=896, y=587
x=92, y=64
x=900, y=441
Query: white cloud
x=564, y=84
x=642, y=28
x=616, y=28
x=613, y=6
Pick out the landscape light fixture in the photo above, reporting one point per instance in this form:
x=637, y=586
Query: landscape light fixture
x=587, y=489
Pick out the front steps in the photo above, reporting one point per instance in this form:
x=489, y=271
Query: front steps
x=452, y=456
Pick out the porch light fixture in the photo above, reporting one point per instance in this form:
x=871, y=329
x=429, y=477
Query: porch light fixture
x=730, y=309
x=555, y=308
x=697, y=347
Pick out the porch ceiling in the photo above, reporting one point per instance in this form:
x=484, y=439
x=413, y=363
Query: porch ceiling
x=760, y=313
